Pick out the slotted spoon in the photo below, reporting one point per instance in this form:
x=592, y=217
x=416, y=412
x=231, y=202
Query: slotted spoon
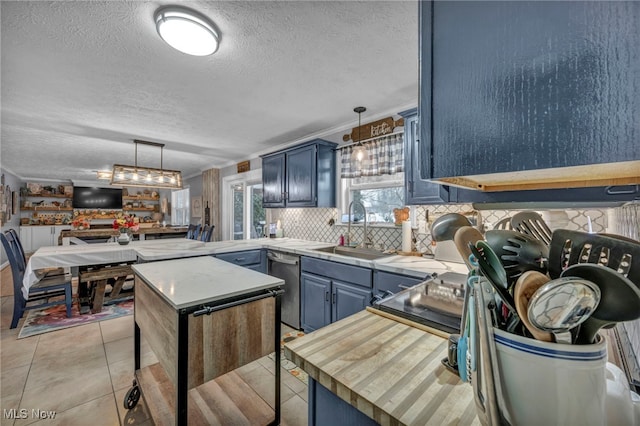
x=531, y=223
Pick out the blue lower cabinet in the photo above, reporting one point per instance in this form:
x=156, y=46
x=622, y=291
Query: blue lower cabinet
x=347, y=300
x=326, y=409
x=331, y=291
x=316, y=305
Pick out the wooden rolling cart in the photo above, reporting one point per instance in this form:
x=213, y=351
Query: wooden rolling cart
x=203, y=318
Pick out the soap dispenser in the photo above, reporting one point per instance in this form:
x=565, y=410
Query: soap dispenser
x=341, y=240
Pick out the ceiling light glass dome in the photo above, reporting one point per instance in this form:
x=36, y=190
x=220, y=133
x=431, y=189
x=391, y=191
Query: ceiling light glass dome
x=186, y=31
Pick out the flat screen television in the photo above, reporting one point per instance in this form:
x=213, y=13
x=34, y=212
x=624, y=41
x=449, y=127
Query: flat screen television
x=85, y=197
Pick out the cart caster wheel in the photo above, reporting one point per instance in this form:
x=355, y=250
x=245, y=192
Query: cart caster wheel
x=132, y=397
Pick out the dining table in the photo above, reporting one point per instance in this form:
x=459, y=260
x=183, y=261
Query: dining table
x=85, y=255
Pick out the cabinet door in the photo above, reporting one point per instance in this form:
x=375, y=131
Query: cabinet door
x=25, y=238
x=315, y=298
x=56, y=233
x=417, y=189
x=348, y=300
x=42, y=236
x=273, y=188
x=301, y=177
x=524, y=85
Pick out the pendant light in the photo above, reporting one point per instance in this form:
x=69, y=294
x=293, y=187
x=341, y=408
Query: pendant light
x=359, y=156
x=135, y=175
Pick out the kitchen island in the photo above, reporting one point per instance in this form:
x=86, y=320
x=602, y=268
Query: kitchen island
x=369, y=368
x=203, y=318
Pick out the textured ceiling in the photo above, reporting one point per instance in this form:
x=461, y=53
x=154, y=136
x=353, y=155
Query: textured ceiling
x=81, y=80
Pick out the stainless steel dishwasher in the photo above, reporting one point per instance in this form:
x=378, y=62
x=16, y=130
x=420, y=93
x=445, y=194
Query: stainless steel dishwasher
x=287, y=267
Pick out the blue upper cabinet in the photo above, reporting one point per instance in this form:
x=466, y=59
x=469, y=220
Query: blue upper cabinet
x=302, y=176
x=529, y=94
x=273, y=170
x=417, y=189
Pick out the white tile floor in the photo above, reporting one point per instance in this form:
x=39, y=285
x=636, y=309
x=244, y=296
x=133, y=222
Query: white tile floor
x=82, y=373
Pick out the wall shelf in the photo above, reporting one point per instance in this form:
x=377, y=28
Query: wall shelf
x=140, y=198
x=48, y=208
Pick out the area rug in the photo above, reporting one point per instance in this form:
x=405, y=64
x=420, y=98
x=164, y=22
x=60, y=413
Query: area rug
x=55, y=318
x=293, y=369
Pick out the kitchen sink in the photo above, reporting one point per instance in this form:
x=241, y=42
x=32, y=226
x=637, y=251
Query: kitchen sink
x=360, y=253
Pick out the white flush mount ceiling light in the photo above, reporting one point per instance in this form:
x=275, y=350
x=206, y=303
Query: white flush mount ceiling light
x=186, y=30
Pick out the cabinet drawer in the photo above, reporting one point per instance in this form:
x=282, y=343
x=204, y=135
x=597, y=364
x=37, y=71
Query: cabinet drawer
x=241, y=258
x=387, y=281
x=339, y=271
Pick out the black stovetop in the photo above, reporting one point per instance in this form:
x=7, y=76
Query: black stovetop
x=425, y=303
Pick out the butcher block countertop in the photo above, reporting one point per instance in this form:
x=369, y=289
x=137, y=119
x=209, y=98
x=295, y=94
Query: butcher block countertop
x=388, y=370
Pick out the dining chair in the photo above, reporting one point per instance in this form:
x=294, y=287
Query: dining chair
x=196, y=232
x=14, y=240
x=193, y=231
x=205, y=235
x=41, y=291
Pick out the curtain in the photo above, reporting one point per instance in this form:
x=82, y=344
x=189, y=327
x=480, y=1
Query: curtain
x=382, y=156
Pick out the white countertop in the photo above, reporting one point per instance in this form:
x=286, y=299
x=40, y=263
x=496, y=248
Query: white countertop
x=194, y=281
x=416, y=266
x=175, y=248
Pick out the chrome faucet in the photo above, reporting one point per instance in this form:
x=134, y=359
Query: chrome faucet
x=366, y=240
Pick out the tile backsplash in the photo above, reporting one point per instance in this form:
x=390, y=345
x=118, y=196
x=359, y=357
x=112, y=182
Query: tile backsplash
x=626, y=221
x=315, y=224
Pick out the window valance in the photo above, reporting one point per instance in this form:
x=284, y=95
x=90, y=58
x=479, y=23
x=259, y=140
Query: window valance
x=376, y=157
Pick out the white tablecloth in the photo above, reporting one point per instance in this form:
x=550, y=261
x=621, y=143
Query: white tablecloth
x=97, y=254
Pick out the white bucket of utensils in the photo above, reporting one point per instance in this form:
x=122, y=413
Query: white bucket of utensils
x=544, y=383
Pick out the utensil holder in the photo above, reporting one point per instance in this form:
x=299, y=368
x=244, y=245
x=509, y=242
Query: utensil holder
x=522, y=381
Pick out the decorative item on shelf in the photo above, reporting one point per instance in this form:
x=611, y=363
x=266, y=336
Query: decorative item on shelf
x=34, y=188
x=125, y=224
x=146, y=176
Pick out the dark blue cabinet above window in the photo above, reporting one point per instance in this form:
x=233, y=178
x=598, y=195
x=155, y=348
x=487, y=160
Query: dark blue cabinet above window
x=523, y=95
x=301, y=176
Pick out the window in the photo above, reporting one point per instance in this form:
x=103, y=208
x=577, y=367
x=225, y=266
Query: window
x=243, y=216
x=180, y=211
x=372, y=173
x=237, y=191
x=379, y=194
